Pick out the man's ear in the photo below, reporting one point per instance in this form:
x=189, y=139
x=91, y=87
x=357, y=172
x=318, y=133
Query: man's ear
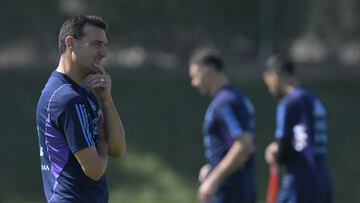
x=211, y=71
x=69, y=42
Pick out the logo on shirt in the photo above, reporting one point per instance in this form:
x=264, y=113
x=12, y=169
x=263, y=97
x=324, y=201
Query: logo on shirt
x=96, y=129
x=96, y=126
x=92, y=104
x=41, y=151
x=45, y=167
x=301, y=137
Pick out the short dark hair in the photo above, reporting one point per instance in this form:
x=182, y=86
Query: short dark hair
x=74, y=27
x=208, y=57
x=280, y=64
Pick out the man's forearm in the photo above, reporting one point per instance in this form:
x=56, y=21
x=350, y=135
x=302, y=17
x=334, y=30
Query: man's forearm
x=102, y=149
x=233, y=160
x=114, y=129
x=93, y=160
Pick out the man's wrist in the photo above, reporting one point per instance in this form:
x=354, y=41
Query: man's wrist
x=212, y=179
x=106, y=101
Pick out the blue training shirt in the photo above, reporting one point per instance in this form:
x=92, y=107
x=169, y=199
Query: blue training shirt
x=229, y=114
x=302, y=134
x=67, y=121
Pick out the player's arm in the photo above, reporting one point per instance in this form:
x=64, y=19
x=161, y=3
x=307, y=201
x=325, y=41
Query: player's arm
x=74, y=121
x=113, y=127
x=271, y=153
x=204, y=171
x=93, y=160
x=238, y=154
x=280, y=150
x=234, y=159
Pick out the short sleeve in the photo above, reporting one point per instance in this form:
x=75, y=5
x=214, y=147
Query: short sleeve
x=231, y=120
x=75, y=121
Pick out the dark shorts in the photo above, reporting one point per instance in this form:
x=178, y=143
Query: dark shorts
x=63, y=196
x=291, y=192
x=59, y=199
x=233, y=195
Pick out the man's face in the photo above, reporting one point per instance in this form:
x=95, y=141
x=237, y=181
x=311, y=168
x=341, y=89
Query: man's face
x=272, y=82
x=199, y=78
x=90, y=50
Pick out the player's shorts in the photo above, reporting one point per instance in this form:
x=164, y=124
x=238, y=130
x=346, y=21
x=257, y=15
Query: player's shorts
x=233, y=195
x=290, y=193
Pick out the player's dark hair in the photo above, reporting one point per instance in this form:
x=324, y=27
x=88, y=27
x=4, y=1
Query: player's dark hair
x=280, y=64
x=74, y=27
x=209, y=58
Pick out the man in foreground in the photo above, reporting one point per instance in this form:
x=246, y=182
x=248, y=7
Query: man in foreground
x=78, y=124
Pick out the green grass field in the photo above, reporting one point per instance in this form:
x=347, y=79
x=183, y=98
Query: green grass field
x=162, y=115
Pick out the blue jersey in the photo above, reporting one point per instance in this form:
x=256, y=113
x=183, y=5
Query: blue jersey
x=229, y=114
x=67, y=121
x=302, y=134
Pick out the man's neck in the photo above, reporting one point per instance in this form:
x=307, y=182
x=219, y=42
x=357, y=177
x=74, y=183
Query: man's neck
x=219, y=83
x=290, y=86
x=67, y=68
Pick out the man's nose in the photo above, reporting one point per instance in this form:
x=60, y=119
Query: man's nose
x=103, y=52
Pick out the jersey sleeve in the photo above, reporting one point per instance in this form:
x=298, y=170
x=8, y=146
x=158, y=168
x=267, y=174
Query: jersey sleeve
x=229, y=114
x=75, y=122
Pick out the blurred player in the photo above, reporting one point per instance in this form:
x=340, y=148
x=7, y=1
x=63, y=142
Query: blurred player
x=75, y=134
x=300, y=137
x=228, y=134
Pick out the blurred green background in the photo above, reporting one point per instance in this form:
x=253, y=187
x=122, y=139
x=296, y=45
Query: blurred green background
x=150, y=43
x=162, y=115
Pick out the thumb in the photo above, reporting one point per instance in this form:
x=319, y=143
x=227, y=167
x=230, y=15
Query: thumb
x=101, y=69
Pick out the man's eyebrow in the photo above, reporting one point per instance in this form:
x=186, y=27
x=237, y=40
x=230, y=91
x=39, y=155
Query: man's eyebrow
x=99, y=42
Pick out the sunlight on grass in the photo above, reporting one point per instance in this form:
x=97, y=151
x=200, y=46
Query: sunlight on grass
x=153, y=182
